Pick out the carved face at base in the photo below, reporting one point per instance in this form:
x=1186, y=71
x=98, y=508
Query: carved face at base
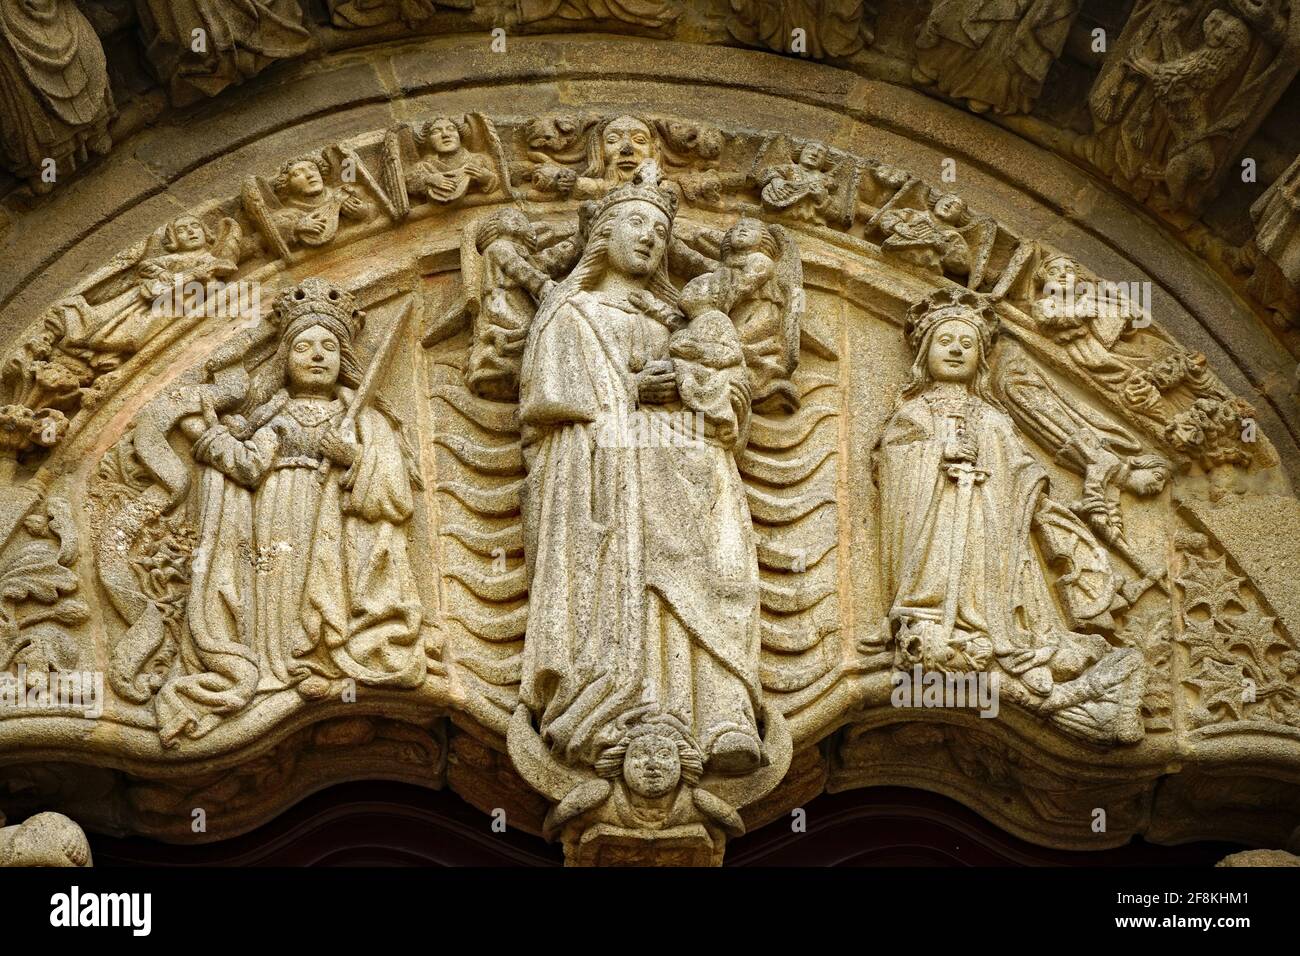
x=443, y=135
x=628, y=143
x=954, y=351
x=304, y=179
x=638, y=238
x=313, y=360
x=651, y=766
x=189, y=234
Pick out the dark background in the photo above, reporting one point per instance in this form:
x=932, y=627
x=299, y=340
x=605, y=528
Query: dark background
x=390, y=824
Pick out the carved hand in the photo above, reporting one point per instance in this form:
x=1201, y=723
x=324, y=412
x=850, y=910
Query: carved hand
x=657, y=383
x=342, y=452
x=964, y=449
x=557, y=178
x=656, y=308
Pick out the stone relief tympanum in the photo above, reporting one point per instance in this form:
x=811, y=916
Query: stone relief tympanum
x=555, y=451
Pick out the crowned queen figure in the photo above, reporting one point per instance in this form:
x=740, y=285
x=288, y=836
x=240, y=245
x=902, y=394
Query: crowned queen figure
x=962, y=501
x=642, y=563
x=302, y=568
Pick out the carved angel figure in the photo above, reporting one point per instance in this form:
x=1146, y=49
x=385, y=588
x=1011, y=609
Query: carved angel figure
x=754, y=284
x=301, y=504
x=924, y=239
x=510, y=280
x=55, y=99
x=962, y=502
x=1071, y=316
x=447, y=169
x=803, y=189
x=184, y=251
x=647, y=787
x=641, y=556
x=994, y=54
x=311, y=209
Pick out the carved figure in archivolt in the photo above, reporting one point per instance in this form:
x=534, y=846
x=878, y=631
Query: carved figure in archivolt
x=1176, y=96
x=584, y=157
x=964, y=510
x=992, y=53
x=306, y=204
x=1111, y=340
x=184, y=252
x=442, y=159
x=55, y=100
x=235, y=40
x=832, y=28
x=300, y=575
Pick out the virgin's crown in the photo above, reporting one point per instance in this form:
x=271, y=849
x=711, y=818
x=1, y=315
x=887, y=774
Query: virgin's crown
x=648, y=184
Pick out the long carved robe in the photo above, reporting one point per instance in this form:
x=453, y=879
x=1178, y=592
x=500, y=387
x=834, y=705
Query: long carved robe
x=994, y=51
x=55, y=99
x=641, y=560
x=925, y=530
x=306, y=571
x=243, y=37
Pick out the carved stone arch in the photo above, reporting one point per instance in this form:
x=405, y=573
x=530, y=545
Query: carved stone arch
x=101, y=533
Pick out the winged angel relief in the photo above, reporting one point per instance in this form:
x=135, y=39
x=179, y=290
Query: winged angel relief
x=642, y=706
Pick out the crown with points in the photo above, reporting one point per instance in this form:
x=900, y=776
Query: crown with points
x=972, y=307
x=648, y=184
x=314, y=297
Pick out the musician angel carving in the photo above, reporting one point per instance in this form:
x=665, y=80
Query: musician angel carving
x=806, y=182
x=442, y=159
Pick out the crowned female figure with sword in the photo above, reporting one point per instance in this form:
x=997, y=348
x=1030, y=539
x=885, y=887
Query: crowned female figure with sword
x=301, y=514
x=961, y=503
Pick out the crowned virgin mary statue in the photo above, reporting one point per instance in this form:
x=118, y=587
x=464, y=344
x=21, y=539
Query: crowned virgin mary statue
x=640, y=549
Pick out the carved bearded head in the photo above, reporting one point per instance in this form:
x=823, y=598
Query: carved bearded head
x=619, y=148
